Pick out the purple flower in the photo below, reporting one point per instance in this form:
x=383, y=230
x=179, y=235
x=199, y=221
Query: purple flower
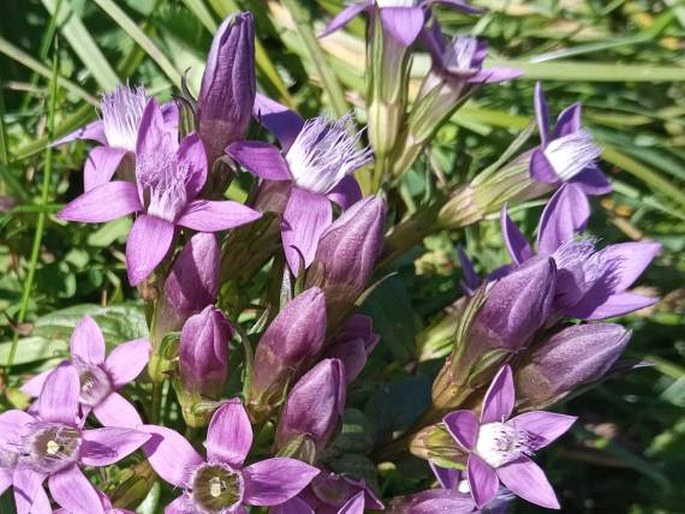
x=319, y=163
x=169, y=177
x=591, y=284
x=51, y=444
x=221, y=482
x=499, y=448
x=401, y=19
x=568, y=153
x=353, y=344
x=354, y=505
x=101, y=377
x=106, y=506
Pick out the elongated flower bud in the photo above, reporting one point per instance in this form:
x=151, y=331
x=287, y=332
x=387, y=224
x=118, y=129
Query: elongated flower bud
x=294, y=337
x=228, y=88
x=315, y=405
x=353, y=344
x=577, y=355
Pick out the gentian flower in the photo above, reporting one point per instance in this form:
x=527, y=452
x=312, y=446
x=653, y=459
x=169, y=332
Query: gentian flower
x=568, y=153
x=329, y=492
x=100, y=377
x=169, y=177
x=499, y=447
x=591, y=284
x=354, y=505
x=52, y=445
x=221, y=483
x=319, y=164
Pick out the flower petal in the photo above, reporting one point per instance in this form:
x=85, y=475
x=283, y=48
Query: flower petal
x=448, y=477
x=403, y=24
x=73, y=491
x=105, y=446
x=568, y=121
x=87, y=342
x=116, y=411
x=628, y=261
x=148, y=243
x=614, y=305
x=273, y=481
x=526, y=479
x=499, y=398
x=541, y=113
x=546, y=427
x=13, y=425
x=292, y=506
x=213, y=216
x=170, y=455
x=346, y=192
x=58, y=400
x=127, y=361
x=93, y=131
x=592, y=181
x=516, y=243
x=263, y=160
x=100, y=166
x=104, y=203
x=181, y=505
x=482, y=480
x=278, y=119
x=156, y=142
x=463, y=426
x=34, y=386
x=344, y=17
x=541, y=169
x=5, y=479
x=567, y=213
x=306, y=217
x=192, y=158
x=29, y=495
x=229, y=436
x=354, y=505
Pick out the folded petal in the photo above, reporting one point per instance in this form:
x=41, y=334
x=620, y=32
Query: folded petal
x=541, y=169
x=614, y=305
x=170, y=455
x=627, y=261
x=346, y=193
x=101, y=164
x=354, y=505
x=526, y=479
x=403, y=24
x=278, y=119
x=103, y=203
x=192, y=158
x=116, y=411
x=213, y=216
x=448, y=477
x=105, y=446
x=592, y=181
x=58, y=400
x=545, y=427
x=87, y=342
x=127, y=361
x=482, y=481
x=516, y=243
x=344, y=17
x=273, y=481
x=261, y=159
x=306, y=216
x=541, y=113
x=499, y=398
x=568, y=121
x=566, y=214
x=73, y=491
x=229, y=436
x=29, y=495
x=13, y=425
x=93, y=131
x=463, y=426
x=156, y=141
x=148, y=243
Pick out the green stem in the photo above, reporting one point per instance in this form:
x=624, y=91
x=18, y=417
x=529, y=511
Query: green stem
x=156, y=402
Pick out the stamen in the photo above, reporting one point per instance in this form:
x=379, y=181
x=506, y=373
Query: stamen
x=50, y=447
x=162, y=181
x=95, y=383
x=122, y=110
x=571, y=154
x=500, y=443
x=216, y=488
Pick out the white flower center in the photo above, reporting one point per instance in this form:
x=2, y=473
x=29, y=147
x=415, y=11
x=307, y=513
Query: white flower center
x=500, y=443
x=122, y=110
x=572, y=153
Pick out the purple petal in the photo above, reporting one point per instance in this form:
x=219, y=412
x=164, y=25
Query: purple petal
x=29, y=495
x=100, y=166
x=493, y=75
x=261, y=159
x=278, y=119
x=87, y=342
x=448, y=477
x=565, y=214
x=516, y=243
x=292, y=506
x=344, y=17
x=546, y=427
x=482, y=481
x=148, y=243
x=181, y=505
x=628, y=261
x=214, y=216
x=403, y=24
x=592, y=181
x=229, y=437
x=307, y=215
x=568, y=121
x=524, y=478
x=193, y=158
x=499, y=398
x=541, y=113
x=471, y=279
x=615, y=305
x=105, y=446
x=346, y=193
x=541, y=169
x=116, y=411
x=93, y=131
x=354, y=505
x=170, y=455
x=463, y=426
x=5, y=479
x=72, y=490
x=104, y=203
x=127, y=361
x=13, y=425
x=34, y=386
x=155, y=144
x=273, y=481
x=58, y=400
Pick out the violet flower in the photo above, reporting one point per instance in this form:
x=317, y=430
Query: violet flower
x=499, y=447
x=52, y=445
x=568, y=153
x=353, y=344
x=100, y=377
x=221, y=482
x=169, y=177
x=319, y=164
x=354, y=505
x=591, y=284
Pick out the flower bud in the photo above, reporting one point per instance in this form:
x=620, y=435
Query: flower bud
x=315, y=405
x=228, y=89
x=353, y=344
x=577, y=355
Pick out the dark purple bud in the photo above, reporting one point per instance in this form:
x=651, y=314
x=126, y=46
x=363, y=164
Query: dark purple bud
x=203, y=361
x=315, y=405
x=577, y=355
x=329, y=492
x=353, y=344
x=228, y=88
